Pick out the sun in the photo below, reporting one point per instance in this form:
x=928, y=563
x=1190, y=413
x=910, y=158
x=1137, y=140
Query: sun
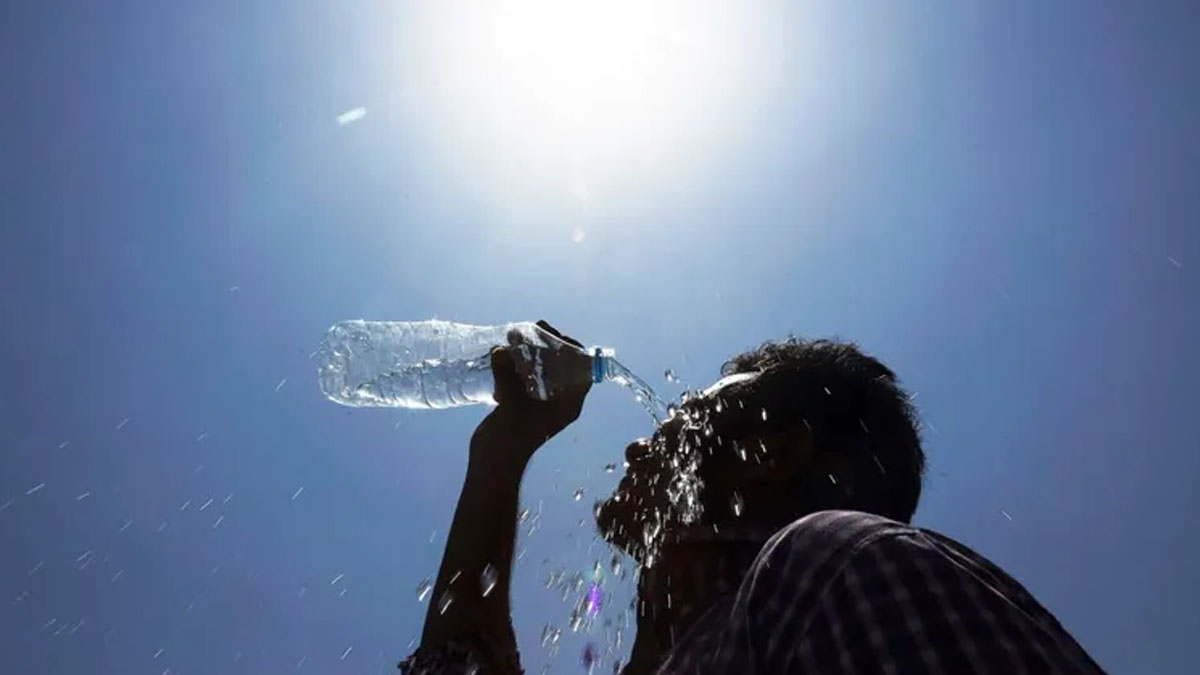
x=574, y=88
x=577, y=59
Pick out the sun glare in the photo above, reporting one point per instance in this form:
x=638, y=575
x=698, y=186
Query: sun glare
x=570, y=86
x=577, y=58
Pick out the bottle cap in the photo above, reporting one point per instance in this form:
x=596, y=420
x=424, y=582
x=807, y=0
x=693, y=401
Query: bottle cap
x=600, y=356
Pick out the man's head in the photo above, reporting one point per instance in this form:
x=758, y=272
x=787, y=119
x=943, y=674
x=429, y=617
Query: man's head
x=793, y=428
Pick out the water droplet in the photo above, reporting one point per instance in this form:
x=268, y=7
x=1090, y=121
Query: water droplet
x=671, y=376
x=609, y=468
x=594, y=598
x=764, y=414
x=615, y=566
x=736, y=504
x=487, y=579
x=445, y=601
x=720, y=405
x=550, y=635
x=423, y=589
x=589, y=656
x=578, y=494
x=523, y=515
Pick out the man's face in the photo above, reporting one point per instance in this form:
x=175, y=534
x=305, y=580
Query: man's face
x=660, y=489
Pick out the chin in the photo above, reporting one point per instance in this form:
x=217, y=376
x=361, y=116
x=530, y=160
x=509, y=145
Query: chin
x=623, y=525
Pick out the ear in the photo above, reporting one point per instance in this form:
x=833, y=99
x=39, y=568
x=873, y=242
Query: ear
x=779, y=457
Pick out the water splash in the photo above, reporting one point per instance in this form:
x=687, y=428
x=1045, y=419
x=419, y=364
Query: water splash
x=550, y=635
x=589, y=657
x=445, y=601
x=655, y=406
x=594, y=599
x=487, y=579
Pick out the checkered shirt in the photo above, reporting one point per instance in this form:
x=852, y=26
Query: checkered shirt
x=844, y=593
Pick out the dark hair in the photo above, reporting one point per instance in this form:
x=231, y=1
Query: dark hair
x=856, y=411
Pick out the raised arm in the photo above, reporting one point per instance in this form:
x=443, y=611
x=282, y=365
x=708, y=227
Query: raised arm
x=466, y=629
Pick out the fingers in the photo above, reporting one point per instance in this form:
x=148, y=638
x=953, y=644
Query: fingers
x=504, y=371
x=545, y=325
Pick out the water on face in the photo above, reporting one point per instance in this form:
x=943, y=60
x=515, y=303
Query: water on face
x=588, y=606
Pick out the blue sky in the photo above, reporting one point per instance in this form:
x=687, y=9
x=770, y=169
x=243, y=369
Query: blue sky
x=996, y=199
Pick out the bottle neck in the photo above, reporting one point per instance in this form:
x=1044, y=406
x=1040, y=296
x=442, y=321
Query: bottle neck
x=601, y=358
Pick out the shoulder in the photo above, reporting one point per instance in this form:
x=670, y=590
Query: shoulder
x=805, y=559
x=819, y=544
x=836, y=578
x=833, y=539
x=799, y=562
x=843, y=529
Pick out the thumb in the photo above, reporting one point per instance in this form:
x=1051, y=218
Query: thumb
x=508, y=387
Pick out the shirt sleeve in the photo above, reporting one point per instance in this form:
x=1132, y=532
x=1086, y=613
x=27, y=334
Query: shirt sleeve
x=882, y=597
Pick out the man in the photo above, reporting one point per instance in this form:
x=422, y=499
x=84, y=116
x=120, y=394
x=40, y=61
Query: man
x=769, y=518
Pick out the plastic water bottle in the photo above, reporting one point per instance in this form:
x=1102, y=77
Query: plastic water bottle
x=439, y=364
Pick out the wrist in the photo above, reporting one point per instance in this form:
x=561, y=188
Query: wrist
x=505, y=441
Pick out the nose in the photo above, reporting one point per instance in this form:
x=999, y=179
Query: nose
x=637, y=451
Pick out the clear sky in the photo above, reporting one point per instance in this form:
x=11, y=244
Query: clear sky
x=998, y=199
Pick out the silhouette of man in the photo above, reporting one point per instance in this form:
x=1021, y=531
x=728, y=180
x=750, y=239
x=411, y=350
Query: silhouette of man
x=804, y=466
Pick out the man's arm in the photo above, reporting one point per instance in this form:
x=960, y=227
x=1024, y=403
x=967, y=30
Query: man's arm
x=483, y=532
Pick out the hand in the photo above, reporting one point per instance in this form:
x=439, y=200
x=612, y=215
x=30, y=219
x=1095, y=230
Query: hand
x=522, y=422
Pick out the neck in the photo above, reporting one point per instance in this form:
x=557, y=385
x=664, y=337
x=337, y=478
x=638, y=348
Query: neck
x=690, y=576
x=669, y=603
